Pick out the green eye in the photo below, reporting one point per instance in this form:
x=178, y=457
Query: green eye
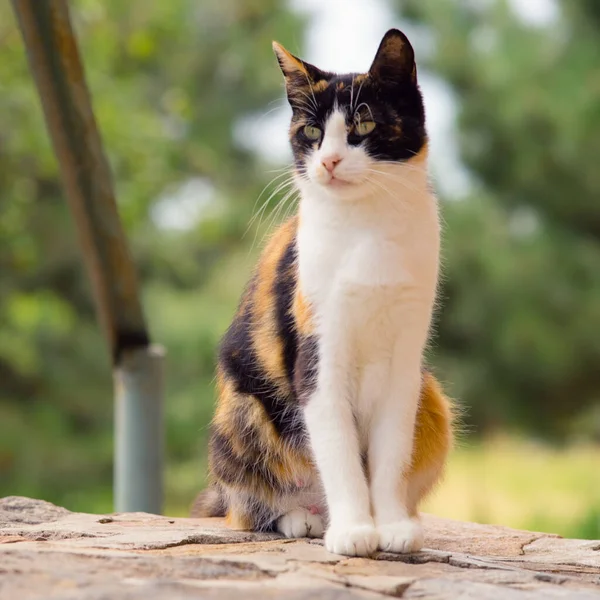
x=364, y=127
x=312, y=133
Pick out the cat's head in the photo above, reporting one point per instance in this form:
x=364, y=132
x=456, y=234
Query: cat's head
x=351, y=133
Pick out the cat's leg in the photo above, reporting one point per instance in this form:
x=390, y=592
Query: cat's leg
x=390, y=451
x=335, y=445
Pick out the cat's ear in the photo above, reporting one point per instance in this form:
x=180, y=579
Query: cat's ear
x=295, y=70
x=395, y=59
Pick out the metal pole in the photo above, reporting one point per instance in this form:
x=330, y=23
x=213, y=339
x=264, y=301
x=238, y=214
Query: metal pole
x=56, y=66
x=138, y=431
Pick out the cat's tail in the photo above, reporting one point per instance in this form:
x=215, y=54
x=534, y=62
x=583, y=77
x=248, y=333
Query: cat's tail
x=209, y=503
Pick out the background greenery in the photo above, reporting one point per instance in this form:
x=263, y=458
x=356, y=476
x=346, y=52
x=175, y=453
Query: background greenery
x=517, y=332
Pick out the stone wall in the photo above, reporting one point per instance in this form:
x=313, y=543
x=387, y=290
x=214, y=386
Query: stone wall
x=48, y=552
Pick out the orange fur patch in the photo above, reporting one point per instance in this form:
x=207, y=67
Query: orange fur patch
x=359, y=79
x=238, y=520
x=288, y=60
x=268, y=345
x=433, y=431
x=422, y=156
x=301, y=309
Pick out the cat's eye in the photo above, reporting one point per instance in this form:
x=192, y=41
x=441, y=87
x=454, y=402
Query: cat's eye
x=312, y=132
x=364, y=127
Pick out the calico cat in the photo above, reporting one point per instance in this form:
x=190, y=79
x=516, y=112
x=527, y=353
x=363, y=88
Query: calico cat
x=327, y=421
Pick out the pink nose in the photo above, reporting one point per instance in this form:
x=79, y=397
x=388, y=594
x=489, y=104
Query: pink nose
x=331, y=162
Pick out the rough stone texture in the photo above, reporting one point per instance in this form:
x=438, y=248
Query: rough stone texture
x=51, y=553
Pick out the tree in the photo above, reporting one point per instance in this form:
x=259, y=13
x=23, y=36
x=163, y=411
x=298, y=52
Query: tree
x=517, y=334
x=168, y=81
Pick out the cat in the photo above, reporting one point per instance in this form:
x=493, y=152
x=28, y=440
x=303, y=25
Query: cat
x=327, y=422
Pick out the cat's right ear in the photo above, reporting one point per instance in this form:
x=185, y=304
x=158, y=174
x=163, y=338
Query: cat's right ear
x=296, y=71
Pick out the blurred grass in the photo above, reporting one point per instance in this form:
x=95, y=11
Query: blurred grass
x=519, y=483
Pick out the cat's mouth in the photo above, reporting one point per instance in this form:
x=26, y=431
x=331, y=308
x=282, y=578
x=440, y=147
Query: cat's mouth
x=337, y=182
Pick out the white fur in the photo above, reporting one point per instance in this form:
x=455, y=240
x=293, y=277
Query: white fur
x=300, y=522
x=368, y=265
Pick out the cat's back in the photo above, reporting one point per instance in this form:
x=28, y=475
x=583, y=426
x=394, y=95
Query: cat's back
x=259, y=348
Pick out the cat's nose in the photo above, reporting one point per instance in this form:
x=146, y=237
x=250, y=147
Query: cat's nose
x=331, y=162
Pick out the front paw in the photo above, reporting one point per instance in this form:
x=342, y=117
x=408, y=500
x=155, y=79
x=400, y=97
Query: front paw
x=352, y=539
x=402, y=537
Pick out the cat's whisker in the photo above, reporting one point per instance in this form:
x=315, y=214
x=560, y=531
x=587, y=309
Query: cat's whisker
x=259, y=214
x=397, y=177
x=381, y=186
x=368, y=108
x=289, y=168
x=281, y=100
x=404, y=165
x=311, y=99
x=290, y=208
x=358, y=94
x=267, y=186
x=308, y=103
x=277, y=210
x=407, y=167
x=281, y=204
x=309, y=106
x=278, y=189
x=316, y=104
x=282, y=187
x=265, y=115
x=392, y=199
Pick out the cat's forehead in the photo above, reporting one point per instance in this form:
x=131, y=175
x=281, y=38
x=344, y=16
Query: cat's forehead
x=343, y=91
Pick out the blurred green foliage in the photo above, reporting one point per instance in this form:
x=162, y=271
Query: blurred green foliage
x=517, y=333
x=168, y=81
x=516, y=336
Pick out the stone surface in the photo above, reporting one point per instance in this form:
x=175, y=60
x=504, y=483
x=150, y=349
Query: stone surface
x=51, y=553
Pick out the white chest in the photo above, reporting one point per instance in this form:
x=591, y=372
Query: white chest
x=372, y=270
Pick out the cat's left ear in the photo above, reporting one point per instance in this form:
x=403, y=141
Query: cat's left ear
x=395, y=59
x=296, y=71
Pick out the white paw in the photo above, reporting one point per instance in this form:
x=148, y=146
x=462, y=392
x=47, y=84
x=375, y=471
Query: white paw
x=299, y=523
x=352, y=540
x=402, y=537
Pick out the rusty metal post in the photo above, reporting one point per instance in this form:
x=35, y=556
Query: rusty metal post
x=58, y=72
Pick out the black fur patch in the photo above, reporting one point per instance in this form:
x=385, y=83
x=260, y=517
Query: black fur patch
x=307, y=364
x=234, y=470
x=284, y=290
x=238, y=357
